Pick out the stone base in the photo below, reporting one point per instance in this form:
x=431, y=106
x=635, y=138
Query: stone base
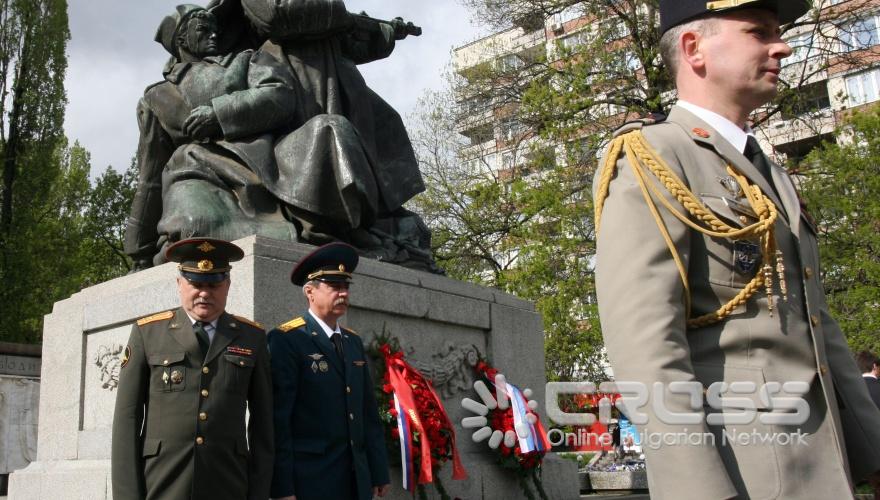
x=618, y=480
x=440, y=322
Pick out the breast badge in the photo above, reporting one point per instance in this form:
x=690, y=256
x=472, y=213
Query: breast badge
x=176, y=377
x=746, y=256
x=323, y=366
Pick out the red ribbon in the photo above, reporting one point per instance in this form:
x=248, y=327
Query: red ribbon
x=401, y=375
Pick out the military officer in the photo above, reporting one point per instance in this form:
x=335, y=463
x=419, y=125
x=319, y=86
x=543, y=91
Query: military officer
x=707, y=275
x=187, y=377
x=326, y=419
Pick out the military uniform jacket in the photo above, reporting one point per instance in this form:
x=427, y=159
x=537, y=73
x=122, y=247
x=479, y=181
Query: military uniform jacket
x=179, y=425
x=643, y=314
x=328, y=432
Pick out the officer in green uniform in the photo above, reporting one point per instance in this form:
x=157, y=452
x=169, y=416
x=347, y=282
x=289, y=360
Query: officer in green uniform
x=329, y=440
x=188, y=376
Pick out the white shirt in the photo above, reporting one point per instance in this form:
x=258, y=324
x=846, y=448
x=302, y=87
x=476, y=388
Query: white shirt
x=869, y=374
x=329, y=331
x=210, y=328
x=726, y=128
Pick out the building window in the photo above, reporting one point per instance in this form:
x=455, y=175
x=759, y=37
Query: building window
x=801, y=46
x=859, y=34
x=862, y=88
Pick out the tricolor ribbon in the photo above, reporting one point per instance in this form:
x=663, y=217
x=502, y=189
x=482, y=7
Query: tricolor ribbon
x=400, y=376
x=536, y=439
x=405, y=446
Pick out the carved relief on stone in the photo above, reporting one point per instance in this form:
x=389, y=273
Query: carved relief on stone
x=450, y=369
x=109, y=362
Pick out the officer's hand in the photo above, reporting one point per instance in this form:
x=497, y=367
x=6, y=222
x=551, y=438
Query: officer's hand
x=202, y=123
x=381, y=491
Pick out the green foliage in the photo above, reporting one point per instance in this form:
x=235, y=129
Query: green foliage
x=841, y=188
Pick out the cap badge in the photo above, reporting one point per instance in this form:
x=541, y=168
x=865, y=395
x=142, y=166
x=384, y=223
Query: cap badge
x=342, y=267
x=206, y=247
x=205, y=265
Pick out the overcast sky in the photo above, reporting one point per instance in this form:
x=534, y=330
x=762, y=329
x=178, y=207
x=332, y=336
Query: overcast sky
x=112, y=57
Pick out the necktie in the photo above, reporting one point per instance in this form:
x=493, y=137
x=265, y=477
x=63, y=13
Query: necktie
x=755, y=155
x=337, y=342
x=202, y=337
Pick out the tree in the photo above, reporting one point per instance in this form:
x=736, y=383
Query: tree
x=841, y=188
x=526, y=226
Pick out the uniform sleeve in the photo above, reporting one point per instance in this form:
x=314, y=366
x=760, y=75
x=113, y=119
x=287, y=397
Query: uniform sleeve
x=642, y=310
x=127, y=464
x=285, y=378
x=374, y=435
x=858, y=414
x=260, y=426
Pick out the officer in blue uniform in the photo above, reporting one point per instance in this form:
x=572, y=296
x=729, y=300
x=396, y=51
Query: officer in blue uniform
x=328, y=436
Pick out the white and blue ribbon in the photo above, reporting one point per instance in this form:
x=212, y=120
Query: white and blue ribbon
x=405, y=447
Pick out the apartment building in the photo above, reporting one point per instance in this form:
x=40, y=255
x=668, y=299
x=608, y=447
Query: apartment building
x=834, y=68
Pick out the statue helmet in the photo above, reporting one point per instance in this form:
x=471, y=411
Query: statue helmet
x=169, y=28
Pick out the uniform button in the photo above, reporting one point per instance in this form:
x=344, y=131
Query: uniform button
x=743, y=219
x=808, y=272
x=165, y=362
x=823, y=369
x=241, y=363
x=814, y=320
x=203, y=416
x=204, y=393
x=200, y=440
x=348, y=389
x=351, y=416
x=205, y=369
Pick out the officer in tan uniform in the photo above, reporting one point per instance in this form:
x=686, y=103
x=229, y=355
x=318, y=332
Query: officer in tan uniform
x=708, y=282
x=187, y=377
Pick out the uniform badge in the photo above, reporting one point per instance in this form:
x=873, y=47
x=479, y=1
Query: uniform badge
x=176, y=377
x=314, y=367
x=316, y=356
x=165, y=378
x=323, y=365
x=126, y=355
x=731, y=186
x=746, y=256
x=359, y=363
x=240, y=351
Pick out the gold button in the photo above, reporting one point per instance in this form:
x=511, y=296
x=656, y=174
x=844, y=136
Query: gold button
x=823, y=369
x=203, y=416
x=351, y=416
x=808, y=272
x=204, y=393
x=814, y=320
x=200, y=440
x=165, y=362
x=205, y=369
x=743, y=219
x=348, y=389
x=241, y=363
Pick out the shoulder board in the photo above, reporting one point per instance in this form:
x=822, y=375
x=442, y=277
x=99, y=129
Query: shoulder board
x=247, y=321
x=156, y=317
x=639, y=123
x=294, y=323
x=349, y=330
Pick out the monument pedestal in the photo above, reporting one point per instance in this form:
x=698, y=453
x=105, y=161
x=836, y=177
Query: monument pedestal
x=440, y=322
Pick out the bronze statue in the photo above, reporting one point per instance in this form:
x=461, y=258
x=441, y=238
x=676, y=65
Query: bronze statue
x=264, y=125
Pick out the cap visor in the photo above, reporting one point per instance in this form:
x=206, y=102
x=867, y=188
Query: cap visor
x=204, y=277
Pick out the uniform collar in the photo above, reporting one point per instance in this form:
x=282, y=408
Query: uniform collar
x=728, y=130
x=212, y=323
x=329, y=331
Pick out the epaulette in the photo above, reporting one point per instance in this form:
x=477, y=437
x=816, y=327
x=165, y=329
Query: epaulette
x=349, y=330
x=294, y=323
x=156, y=317
x=247, y=321
x=639, y=123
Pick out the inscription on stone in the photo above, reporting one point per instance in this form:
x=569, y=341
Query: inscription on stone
x=22, y=366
